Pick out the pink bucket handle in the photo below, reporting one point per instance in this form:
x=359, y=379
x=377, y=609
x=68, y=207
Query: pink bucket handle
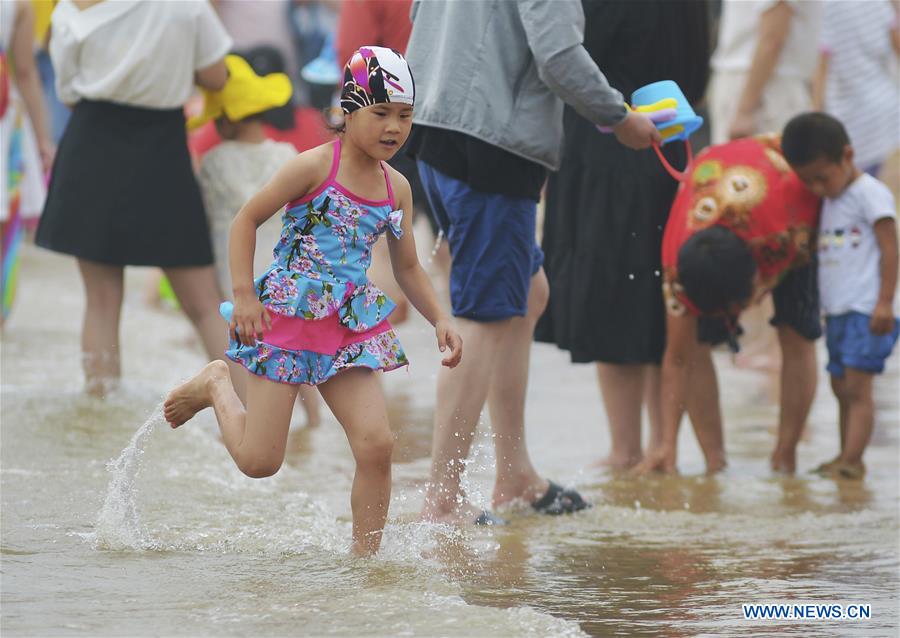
x=671, y=170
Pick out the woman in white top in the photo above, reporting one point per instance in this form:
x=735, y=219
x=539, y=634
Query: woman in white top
x=763, y=65
x=123, y=190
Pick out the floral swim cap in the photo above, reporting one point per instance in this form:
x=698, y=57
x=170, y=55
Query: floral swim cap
x=376, y=75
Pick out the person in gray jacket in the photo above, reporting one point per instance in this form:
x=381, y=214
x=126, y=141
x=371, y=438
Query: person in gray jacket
x=491, y=79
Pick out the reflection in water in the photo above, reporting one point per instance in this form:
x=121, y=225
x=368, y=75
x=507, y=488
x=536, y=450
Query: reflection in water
x=699, y=494
x=221, y=554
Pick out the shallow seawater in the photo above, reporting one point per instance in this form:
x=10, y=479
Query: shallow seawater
x=115, y=525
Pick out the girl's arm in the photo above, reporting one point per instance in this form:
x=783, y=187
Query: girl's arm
x=28, y=81
x=213, y=77
x=774, y=27
x=820, y=80
x=414, y=280
x=296, y=178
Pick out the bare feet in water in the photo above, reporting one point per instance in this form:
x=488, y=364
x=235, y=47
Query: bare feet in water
x=783, y=462
x=463, y=514
x=193, y=395
x=844, y=469
x=715, y=462
x=614, y=462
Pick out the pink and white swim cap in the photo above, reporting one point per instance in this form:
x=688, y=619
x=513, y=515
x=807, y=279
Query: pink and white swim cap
x=376, y=75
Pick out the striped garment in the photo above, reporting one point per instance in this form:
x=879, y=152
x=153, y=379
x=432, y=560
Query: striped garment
x=862, y=87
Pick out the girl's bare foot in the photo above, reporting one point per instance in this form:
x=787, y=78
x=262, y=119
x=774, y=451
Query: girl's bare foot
x=463, y=514
x=100, y=388
x=825, y=468
x=844, y=469
x=783, y=462
x=855, y=471
x=613, y=462
x=193, y=395
x=715, y=463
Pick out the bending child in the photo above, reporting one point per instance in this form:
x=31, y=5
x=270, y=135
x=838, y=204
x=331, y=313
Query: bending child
x=313, y=318
x=857, y=274
x=741, y=227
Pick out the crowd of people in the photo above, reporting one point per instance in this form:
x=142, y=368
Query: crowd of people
x=471, y=115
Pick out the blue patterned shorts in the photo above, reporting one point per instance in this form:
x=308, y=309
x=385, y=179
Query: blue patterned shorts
x=851, y=344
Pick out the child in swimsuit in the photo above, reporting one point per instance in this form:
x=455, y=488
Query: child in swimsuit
x=313, y=317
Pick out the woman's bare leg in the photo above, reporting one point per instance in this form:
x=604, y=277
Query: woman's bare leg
x=104, y=289
x=308, y=398
x=356, y=399
x=652, y=402
x=198, y=294
x=622, y=390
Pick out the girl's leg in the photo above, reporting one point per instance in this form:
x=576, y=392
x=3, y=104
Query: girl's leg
x=839, y=387
x=256, y=437
x=703, y=408
x=355, y=398
x=652, y=402
x=798, y=389
x=152, y=295
x=860, y=416
x=622, y=389
x=104, y=288
x=199, y=296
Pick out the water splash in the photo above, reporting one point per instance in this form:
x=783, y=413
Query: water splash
x=118, y=526
x=436, y=247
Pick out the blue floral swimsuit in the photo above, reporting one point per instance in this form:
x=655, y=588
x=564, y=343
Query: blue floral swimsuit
x=326, y=315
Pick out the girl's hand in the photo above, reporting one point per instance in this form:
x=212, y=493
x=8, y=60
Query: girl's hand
x=249, y=319
x=448, y=337
x=743, y=125
x=47, y=152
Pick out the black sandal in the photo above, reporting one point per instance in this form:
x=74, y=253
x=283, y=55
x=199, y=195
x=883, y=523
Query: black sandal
x=489, y=518
x=559, y=500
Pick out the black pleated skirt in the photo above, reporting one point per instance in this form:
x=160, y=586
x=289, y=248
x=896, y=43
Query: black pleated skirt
x=605, y=214
x=123, y=190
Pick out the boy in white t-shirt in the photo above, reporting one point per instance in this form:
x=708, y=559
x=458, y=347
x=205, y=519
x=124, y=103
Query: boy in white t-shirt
x=857, y=274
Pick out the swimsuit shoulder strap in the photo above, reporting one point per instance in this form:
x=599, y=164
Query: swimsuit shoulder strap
x=387, y=181
x=335, y=161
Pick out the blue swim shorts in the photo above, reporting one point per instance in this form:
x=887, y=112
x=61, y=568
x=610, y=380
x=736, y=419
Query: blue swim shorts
x=492, y=243
x=851, y=344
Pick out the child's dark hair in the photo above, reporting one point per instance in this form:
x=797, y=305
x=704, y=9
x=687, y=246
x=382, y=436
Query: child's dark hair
x=716, y=268
x=811, y=136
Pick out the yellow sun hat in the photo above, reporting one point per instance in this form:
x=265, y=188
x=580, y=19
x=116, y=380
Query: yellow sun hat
x=244, y=94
